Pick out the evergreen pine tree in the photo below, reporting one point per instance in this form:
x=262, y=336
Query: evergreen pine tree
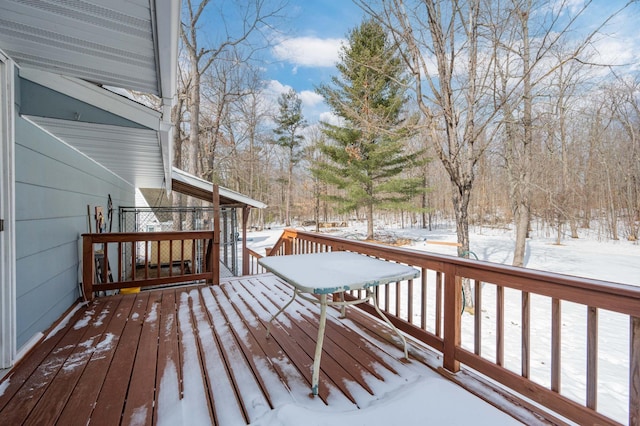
x=366, y=153
x=290, y=122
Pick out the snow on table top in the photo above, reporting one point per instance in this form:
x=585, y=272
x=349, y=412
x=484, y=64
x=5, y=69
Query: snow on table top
x=332, y=272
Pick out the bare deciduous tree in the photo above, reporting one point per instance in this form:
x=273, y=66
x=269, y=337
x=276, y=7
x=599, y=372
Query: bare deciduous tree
x=440, y=44
x=256, y=16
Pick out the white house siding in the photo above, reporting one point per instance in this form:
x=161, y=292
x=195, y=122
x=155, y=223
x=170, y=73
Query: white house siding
x=54, y=185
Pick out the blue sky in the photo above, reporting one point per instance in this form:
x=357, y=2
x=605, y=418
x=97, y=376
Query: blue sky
x=308, y=49
x=316, y=30
x=307, y=45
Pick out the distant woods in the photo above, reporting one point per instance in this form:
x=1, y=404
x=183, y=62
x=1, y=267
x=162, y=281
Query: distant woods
x=523, y=124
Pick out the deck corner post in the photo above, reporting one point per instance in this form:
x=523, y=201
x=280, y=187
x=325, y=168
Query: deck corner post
x=88, y=265
x=452, y=318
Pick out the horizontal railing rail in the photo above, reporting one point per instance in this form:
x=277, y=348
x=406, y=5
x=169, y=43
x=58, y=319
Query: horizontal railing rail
x=113, y=261
x=430, y=310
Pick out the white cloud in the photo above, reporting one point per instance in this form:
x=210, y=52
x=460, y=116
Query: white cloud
x=331, y=118
x=313, y=105
x=310, y=98
x=309, y=51
x=274, y=88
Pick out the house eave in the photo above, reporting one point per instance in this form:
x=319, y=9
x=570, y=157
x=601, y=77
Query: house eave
x=188, y=184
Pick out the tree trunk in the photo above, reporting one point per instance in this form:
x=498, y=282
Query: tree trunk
x=316, y=209
x=461, y=198
x=523, y=206
x=521, y=219
x=287, y=207
x=424, y=203
x=194, y=123
x=369, y=213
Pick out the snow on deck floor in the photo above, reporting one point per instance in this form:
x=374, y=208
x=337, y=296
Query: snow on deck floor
x=205, y=351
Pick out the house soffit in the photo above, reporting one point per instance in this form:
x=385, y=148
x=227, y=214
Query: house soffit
x=111, y=42
x=132, y=154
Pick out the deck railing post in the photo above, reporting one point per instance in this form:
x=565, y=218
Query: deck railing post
x=215, y=255
x=288, y=246
x=452, y=318
x=88, y=266
x=245, y=249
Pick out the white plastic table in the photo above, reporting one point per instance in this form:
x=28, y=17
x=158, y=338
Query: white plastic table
x=335, y=272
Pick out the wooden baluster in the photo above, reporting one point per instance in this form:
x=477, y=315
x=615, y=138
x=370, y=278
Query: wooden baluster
x=105, y=262
x=500, y=325
x=159, y=259
x=398, y=298
x=146, y=260
x=477, y=318
x=439, y=304
x=120, y=278
x=410, y=301
x=386, y=297
x=199, y=270
x=182, y=261
x=526, y=335
x=134, y=260
x=634, y=371
x=556, y=340
x=592, y=357
x=171, y=257
x=423, y=300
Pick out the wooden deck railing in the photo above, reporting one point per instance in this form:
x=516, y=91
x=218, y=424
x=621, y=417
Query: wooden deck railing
x=253, y=265
x=430, y=310
x=143, y=259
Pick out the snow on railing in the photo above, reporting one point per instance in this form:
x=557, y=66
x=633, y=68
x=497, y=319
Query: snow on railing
x=518, y=314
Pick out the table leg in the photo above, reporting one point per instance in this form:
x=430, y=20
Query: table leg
x=316, y=358
x=295, y=293
x=372, y=294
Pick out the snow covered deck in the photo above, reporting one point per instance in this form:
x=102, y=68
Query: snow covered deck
x=199, y=355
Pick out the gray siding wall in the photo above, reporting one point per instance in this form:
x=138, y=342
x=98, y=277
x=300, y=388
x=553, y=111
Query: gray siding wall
x=54, y=185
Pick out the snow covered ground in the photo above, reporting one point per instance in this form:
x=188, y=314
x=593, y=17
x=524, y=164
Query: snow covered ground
x=617, y=261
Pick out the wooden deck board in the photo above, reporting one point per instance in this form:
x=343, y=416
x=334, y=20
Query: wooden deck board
x=18, y=376
x=333, y=358
x=196, y=383
x=285, y=343
x=82, y=401
x=260, y=352
x=29, y=396
x=347, y=343
x=168, y=367
x=110, y=402
x=139, y=407
x=67, y=378
x=250, y=391
x=200, y=352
